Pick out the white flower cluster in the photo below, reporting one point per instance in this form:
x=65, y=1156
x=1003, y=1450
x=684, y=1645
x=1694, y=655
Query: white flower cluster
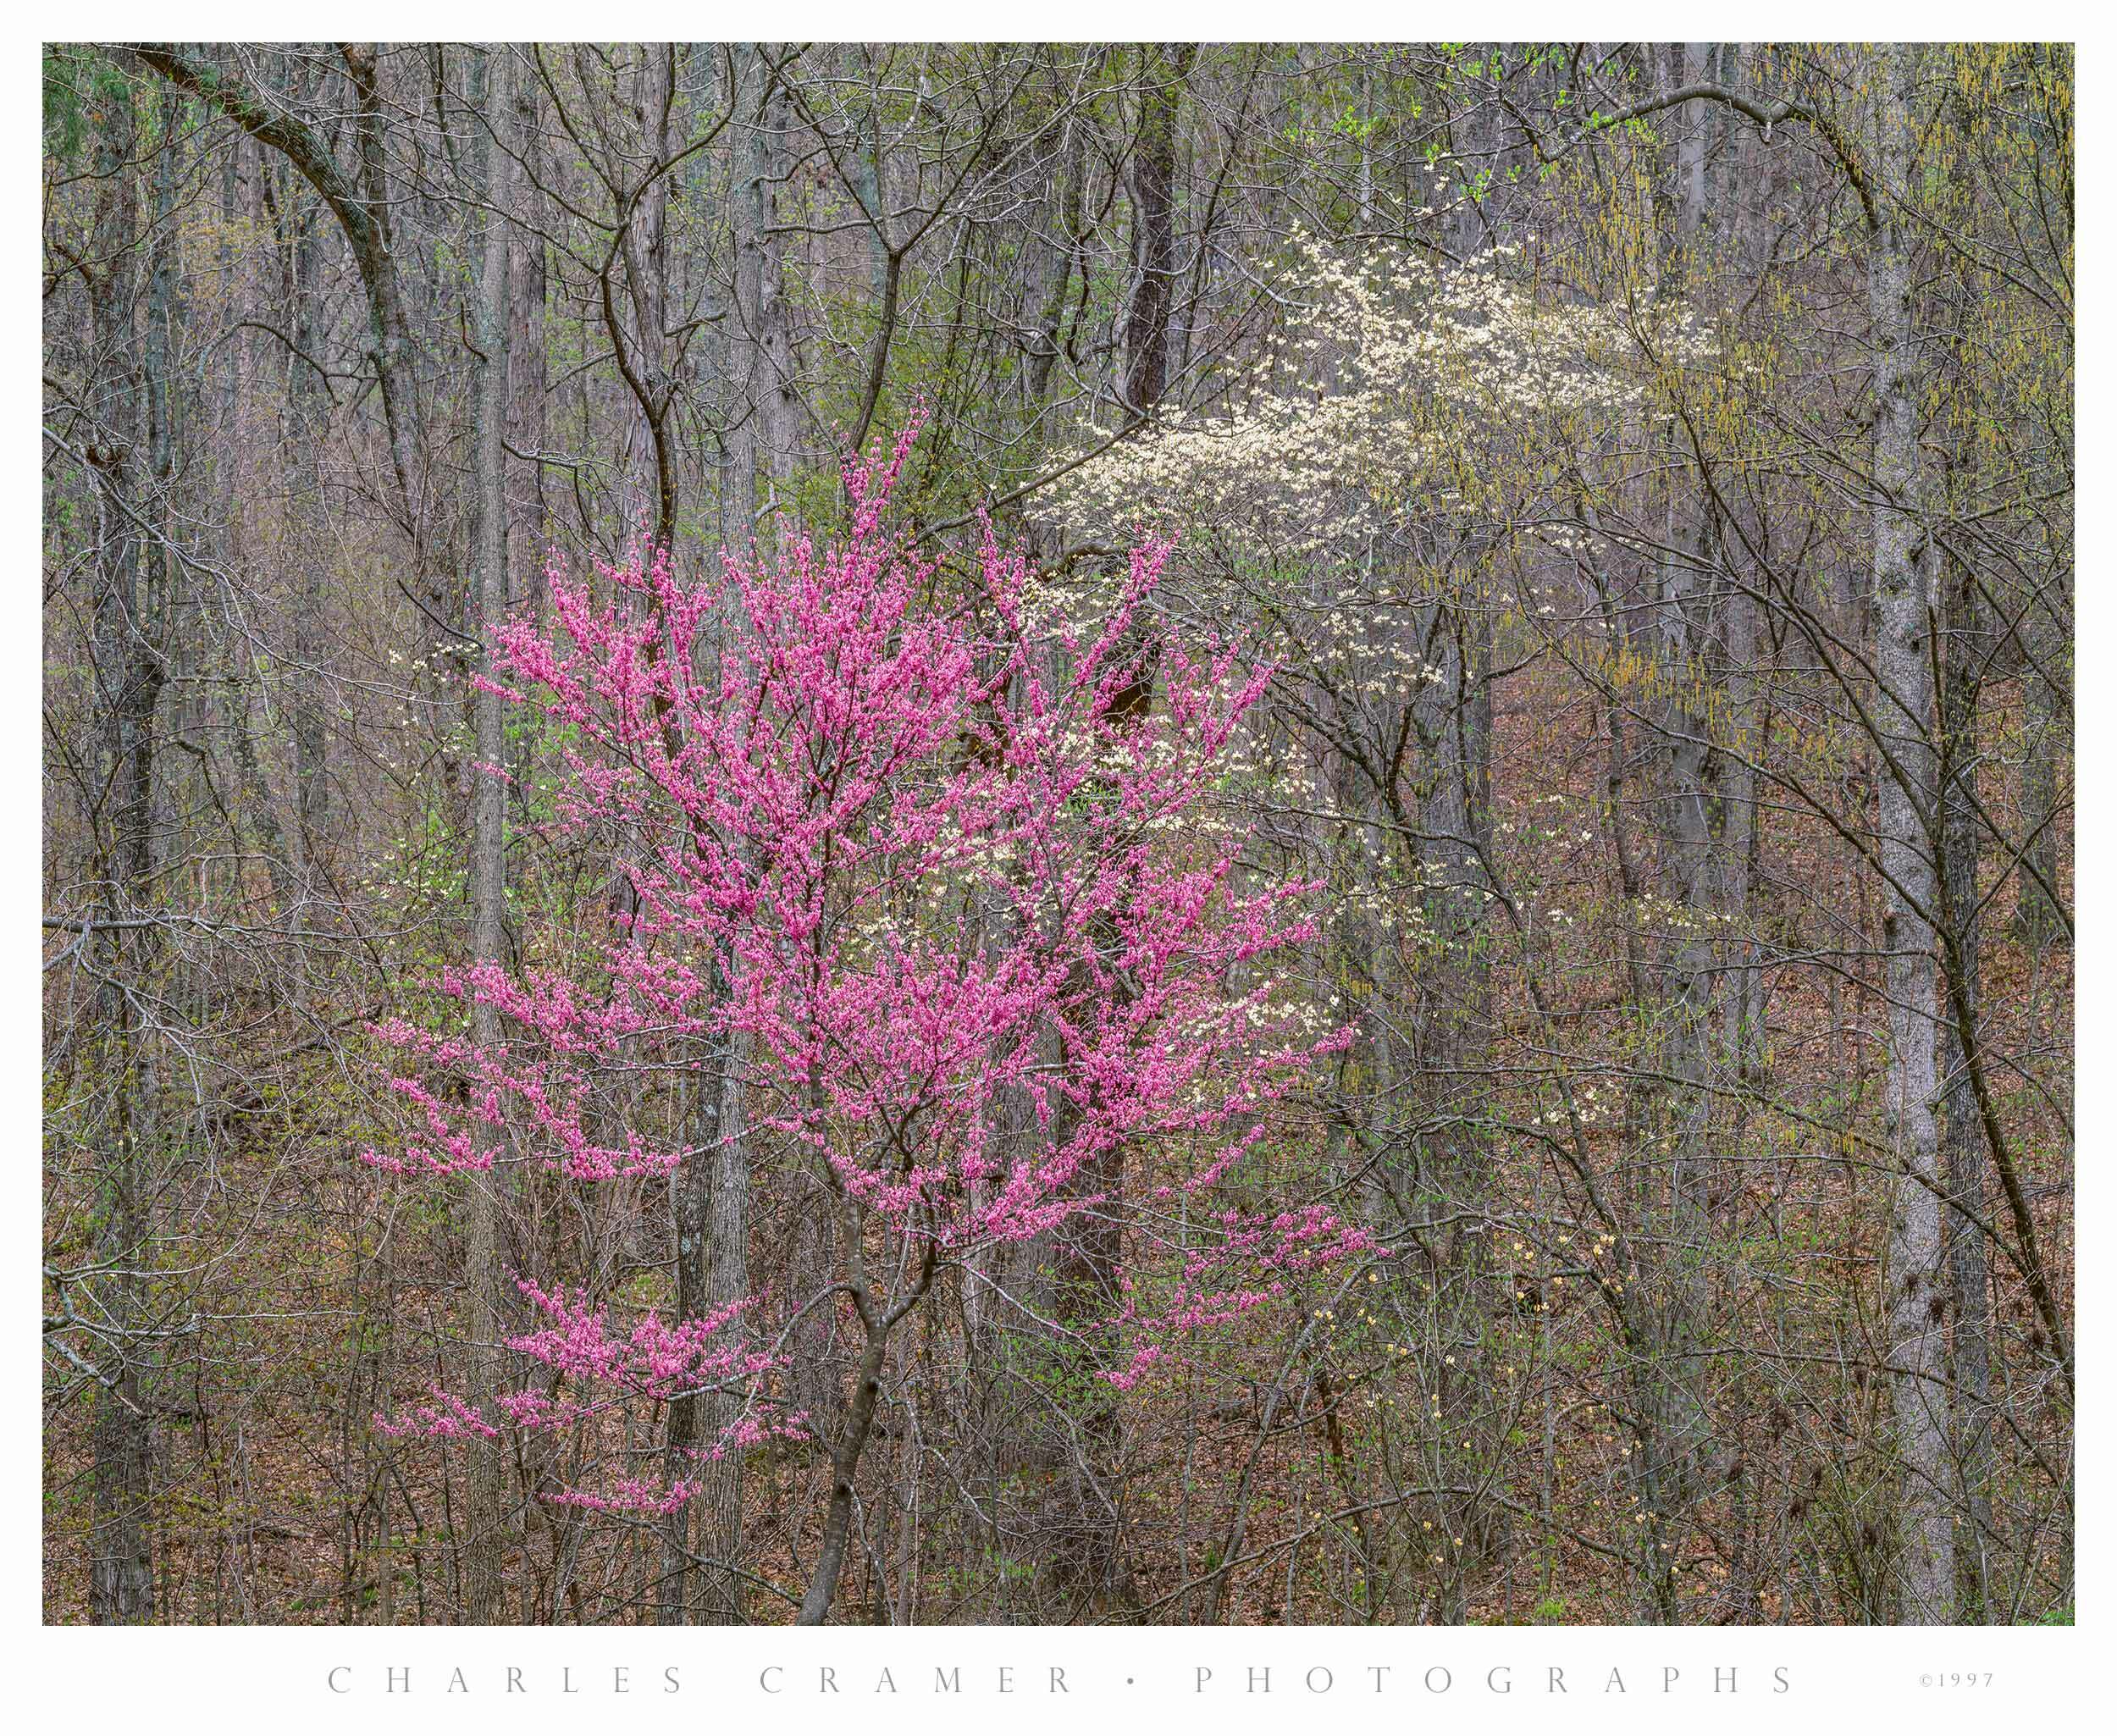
x=1372, y=407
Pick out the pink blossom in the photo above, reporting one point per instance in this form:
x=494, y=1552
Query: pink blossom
x=820, y=774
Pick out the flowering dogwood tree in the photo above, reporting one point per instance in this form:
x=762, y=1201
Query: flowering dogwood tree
x=822, y=769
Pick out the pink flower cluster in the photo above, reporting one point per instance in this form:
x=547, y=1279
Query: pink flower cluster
x=1249, y=1264
x=931, y=862
x=653, y=1361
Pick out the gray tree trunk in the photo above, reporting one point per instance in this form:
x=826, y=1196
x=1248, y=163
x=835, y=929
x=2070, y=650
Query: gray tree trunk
x=2039, y=919
x=1906, y=614
x=485, y=1590
x=1968, y=1171
x=763, y=414
x=127, y=681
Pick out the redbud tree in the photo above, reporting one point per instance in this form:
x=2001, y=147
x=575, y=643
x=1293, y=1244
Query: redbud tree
x=821, y=765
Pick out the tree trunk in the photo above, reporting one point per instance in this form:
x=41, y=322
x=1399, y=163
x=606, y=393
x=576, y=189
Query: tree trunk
x=485, y=1590
x=879, y=1316
x=128, y=674
x=845, y=1458
x=1153, y=227
x=526, y=360
x=2039, y=919
x=1905, y=619
x=712, y=1230
x=1962, y=1132
x=763, y=416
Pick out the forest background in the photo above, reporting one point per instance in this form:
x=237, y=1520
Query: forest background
x=1621, y=589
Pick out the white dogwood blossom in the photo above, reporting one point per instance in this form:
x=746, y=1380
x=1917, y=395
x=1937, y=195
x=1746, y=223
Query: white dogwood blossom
x=1395, y=381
